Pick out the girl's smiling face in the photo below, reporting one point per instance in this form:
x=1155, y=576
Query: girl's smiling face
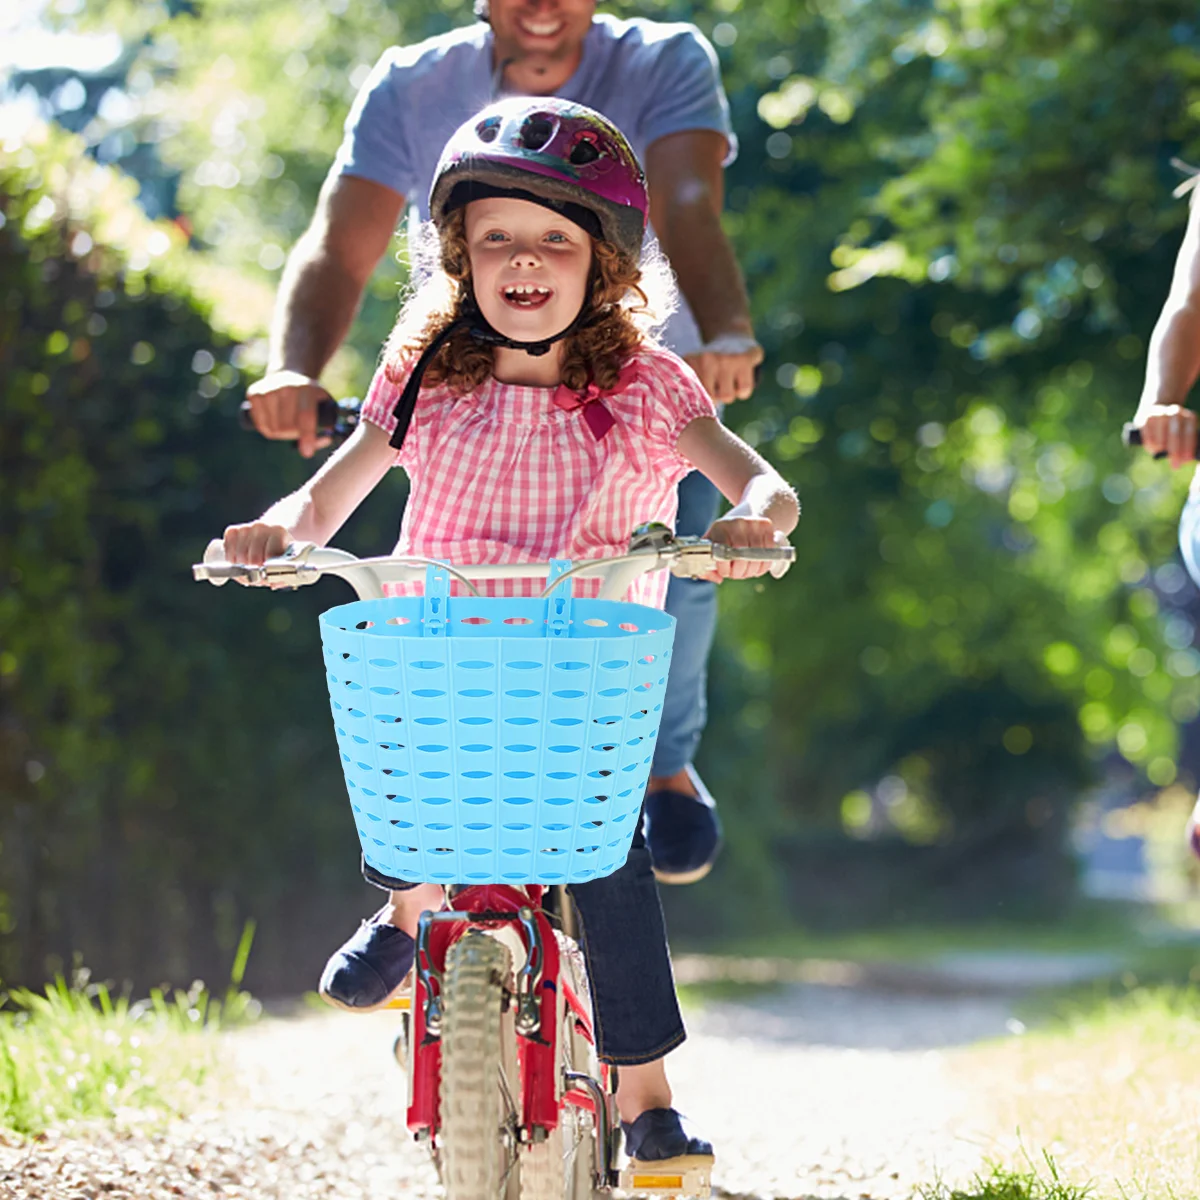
x=529, y=267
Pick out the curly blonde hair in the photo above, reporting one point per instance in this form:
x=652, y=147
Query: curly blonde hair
x=626, y=302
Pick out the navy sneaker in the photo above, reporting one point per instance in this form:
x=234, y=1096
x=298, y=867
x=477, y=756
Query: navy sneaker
x=658, y=1139
x=683, y=833
x=363, y=974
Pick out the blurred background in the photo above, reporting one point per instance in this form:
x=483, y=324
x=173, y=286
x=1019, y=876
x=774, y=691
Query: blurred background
x=974, y=700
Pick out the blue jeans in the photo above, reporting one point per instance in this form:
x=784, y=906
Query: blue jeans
x=624, y=939
x=693, y=604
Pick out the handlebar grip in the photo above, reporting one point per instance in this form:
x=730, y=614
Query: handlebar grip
x=328, y=412
x=1131, y=435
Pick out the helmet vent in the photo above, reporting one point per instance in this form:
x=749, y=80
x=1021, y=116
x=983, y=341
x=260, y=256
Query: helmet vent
x=488, y=129
x=583, y=152
x=536, y=131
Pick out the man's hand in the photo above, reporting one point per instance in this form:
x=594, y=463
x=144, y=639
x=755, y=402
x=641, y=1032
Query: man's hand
x=284, y=406
x=727, y=376
x=1170, y=428
x=744, y=532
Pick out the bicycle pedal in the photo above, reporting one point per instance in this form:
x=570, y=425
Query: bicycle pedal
x=688, y=1175
x=401, y=998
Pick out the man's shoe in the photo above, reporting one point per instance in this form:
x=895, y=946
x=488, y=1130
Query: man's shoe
x=683, y=833
x=364, y=974
x=664, y=1158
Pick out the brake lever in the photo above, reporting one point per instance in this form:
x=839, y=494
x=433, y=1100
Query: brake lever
x=291, y=567
x=695, y=558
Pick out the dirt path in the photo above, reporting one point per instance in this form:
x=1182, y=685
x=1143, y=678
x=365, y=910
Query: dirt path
x=827, y=1089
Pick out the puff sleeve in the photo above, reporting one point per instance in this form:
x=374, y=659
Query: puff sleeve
x=378, y=407
x=674, y=398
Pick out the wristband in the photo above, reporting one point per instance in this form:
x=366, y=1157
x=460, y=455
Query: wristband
x=731, y=343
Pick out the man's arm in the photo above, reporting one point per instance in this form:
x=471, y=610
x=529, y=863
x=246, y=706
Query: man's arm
x=687, y=192
x=1173, y=362
x=319, y=295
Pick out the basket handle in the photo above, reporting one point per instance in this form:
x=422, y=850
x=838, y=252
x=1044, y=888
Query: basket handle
x=433, y=606
x=558, y=602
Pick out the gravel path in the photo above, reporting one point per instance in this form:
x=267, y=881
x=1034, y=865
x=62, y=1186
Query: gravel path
x=822, y=1090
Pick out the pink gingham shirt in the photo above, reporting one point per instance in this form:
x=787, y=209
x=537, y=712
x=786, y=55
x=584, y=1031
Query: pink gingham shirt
x=505, y=474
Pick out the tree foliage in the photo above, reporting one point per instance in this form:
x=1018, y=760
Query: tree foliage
x=157, y=784
x=955, y=217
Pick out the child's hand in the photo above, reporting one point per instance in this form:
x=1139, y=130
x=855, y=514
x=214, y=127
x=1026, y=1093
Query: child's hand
x=253, y=543
x=744, y=532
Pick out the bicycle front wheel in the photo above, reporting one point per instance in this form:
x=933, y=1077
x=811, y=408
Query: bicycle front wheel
x=478, y=1136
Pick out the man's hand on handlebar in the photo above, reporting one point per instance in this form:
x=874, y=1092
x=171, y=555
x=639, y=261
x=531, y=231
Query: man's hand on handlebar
x=283, y=406
x=1170, y=429
x=253, y=543
x=744, y=533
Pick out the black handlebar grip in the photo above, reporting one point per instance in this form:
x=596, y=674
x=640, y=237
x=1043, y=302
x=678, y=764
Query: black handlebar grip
x=328, y=413
x=1131, y=435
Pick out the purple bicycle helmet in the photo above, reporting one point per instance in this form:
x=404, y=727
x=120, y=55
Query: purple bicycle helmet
x=553, y=152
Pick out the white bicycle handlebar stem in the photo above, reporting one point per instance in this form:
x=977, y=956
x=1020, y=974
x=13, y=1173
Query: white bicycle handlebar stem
x=303, y=563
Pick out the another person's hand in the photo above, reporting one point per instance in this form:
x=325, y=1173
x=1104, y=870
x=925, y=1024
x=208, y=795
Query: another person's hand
x=745, y=533
x=284, y=406
x=254, y=542
x=1170, y=428
x=726, y=367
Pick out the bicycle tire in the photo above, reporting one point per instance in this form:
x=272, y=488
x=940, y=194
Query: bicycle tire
x=479, y=1158
x=561, y=1167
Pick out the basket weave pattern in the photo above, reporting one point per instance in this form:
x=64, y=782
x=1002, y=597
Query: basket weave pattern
x=491, y=742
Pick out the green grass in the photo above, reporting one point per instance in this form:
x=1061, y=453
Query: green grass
x=695, y=996
x=1091, y=927
x=1109, y=1085
x=1002, y=1184
x=1158, y=976
x=77, y=1053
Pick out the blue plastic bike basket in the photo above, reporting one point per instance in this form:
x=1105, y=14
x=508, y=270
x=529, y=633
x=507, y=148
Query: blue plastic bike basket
x=496, y=740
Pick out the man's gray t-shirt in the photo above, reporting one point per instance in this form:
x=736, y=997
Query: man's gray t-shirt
x=649, y=78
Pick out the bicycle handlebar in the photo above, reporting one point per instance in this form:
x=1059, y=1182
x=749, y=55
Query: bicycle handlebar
x=305, y=563
x=1131, y=435
x=336, y=419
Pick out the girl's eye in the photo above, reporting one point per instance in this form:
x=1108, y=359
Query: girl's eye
x=556, y=237
x=494, y=237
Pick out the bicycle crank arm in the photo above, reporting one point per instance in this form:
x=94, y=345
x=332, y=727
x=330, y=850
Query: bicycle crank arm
x=604, y=1171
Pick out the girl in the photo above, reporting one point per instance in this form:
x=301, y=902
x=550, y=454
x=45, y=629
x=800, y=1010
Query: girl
x=522, y=392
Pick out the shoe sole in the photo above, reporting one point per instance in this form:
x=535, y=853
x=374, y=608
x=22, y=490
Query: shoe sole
x=401, y=997
x=682, y=876
x=688, y=1175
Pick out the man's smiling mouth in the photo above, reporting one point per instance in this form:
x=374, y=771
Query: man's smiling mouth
x=540, y=28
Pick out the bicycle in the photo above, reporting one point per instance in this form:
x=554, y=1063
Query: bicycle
x=504, y=1082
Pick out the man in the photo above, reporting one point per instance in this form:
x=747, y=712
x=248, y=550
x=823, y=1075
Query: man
x=660, y=84
x=1167, y=425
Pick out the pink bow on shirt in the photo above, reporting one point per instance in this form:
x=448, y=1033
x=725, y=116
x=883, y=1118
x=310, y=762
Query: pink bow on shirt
x=599, y=419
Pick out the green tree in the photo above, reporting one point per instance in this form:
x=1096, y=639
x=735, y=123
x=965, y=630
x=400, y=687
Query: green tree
x=956, y=222
x=162, y=776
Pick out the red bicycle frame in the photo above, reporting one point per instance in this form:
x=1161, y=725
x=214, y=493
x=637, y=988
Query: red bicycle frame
x=482, y=907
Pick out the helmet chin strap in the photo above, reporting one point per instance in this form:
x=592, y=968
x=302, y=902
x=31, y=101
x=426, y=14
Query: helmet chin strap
x=481, y=331
x=488, y=335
